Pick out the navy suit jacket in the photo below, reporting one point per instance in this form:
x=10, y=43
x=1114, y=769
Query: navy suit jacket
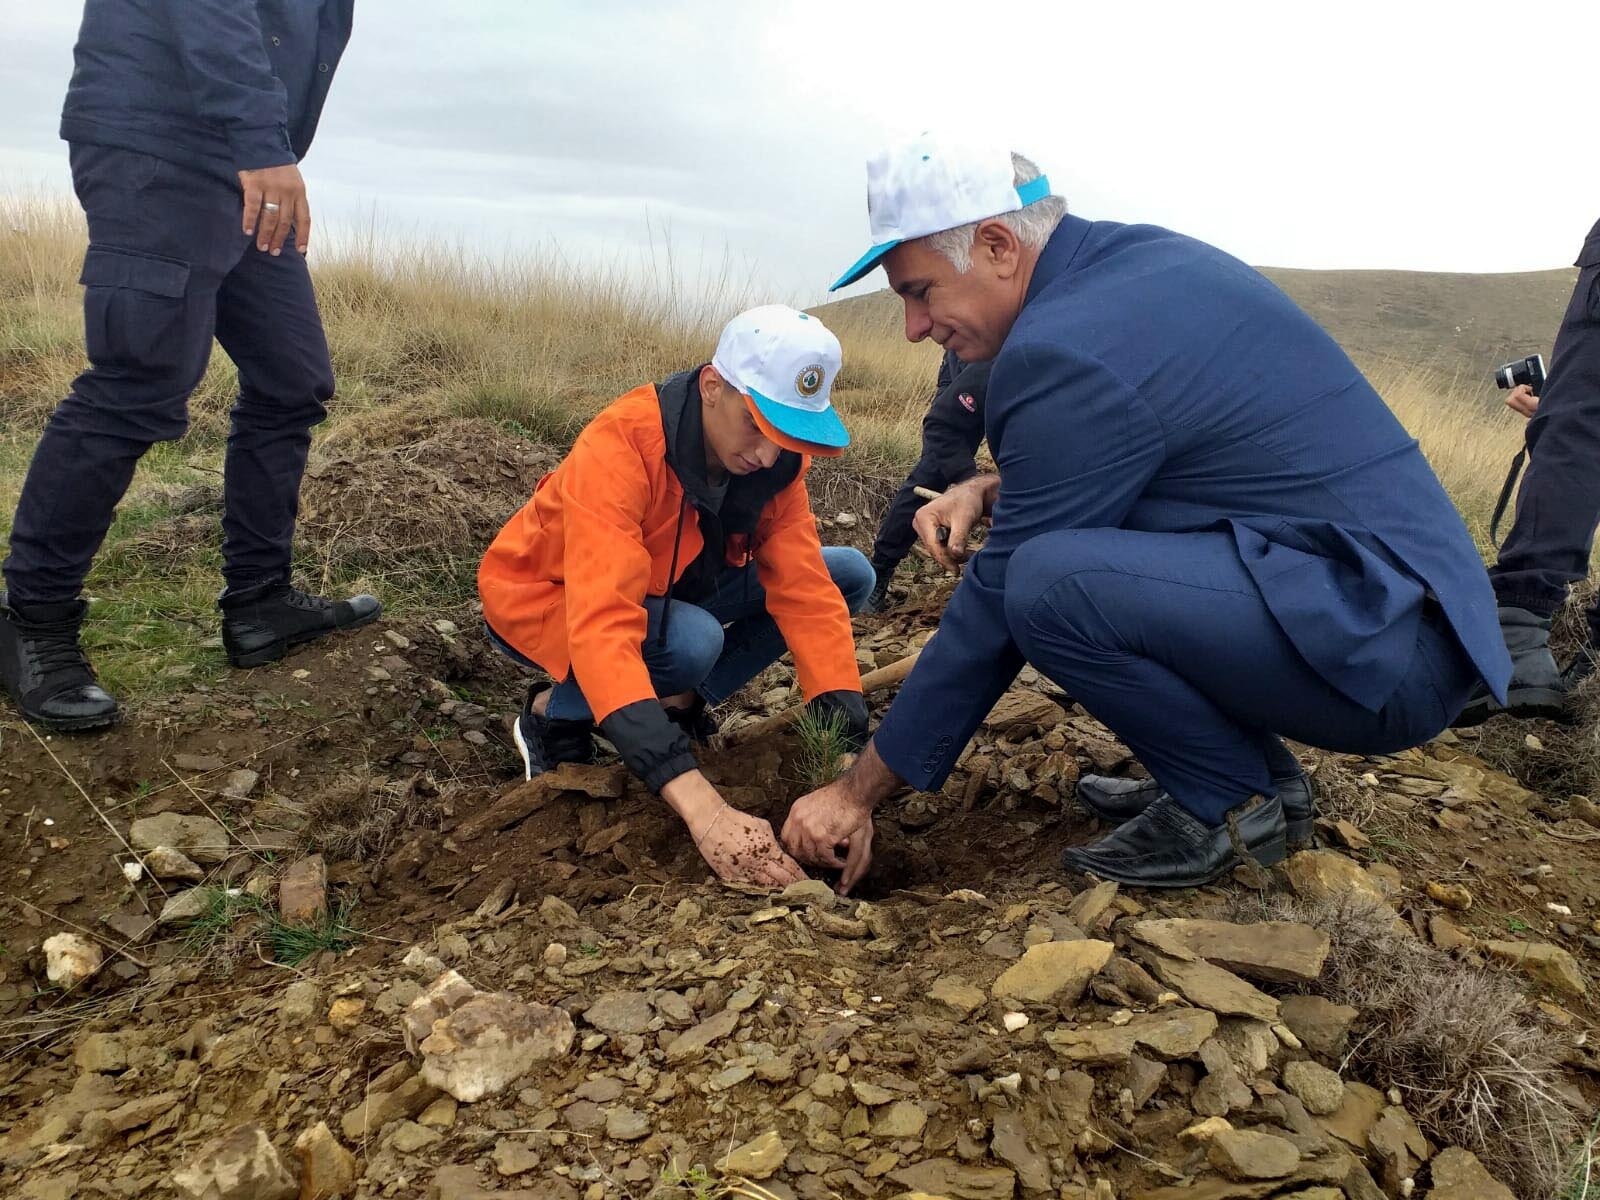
x=1153, y=382
x=219, y=85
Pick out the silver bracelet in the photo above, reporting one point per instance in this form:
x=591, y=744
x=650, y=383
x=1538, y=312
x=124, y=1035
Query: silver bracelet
x=701, y=839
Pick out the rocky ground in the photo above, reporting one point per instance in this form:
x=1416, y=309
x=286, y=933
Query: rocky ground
x=305, y=937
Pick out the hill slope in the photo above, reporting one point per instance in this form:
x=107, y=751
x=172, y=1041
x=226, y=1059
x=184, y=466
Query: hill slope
x=1459, y=325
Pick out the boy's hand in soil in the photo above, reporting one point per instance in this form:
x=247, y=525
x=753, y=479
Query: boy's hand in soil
x=739, y=847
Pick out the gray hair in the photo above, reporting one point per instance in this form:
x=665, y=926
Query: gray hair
x=1033, y=223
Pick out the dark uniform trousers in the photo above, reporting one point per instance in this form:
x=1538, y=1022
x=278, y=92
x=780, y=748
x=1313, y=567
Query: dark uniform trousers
x=952, y=430
x=1558, y=505
x=167, y=269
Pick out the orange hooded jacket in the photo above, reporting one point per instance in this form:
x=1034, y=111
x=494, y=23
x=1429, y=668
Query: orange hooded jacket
x=565, y=580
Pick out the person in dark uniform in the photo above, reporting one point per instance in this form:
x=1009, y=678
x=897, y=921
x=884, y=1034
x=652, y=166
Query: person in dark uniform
x=951, y=434
x=185, y=122
x=1558, y=507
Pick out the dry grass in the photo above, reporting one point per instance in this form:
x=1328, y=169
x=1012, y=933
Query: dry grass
x=360, y=816
x=1461, y=1043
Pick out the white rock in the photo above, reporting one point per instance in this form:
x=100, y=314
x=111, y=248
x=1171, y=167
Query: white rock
x=70, y=959
x=1014, y=1021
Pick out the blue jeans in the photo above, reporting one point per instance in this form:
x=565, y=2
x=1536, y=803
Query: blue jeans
x=1165, y=638
x=717, y=646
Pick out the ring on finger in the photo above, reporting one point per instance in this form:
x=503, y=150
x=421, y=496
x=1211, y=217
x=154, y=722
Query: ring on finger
x=270, y=206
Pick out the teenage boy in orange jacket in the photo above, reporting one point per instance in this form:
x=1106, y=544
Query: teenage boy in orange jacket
x=670, y=558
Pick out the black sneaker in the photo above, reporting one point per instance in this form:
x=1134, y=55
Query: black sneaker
x=545, y=743
x=1117, y=800
x=879, y=599
x=260, y=625
x=44, y=670
x=1167, y=847
x=1537, y=688
x=697, y=724
x=1581, y=669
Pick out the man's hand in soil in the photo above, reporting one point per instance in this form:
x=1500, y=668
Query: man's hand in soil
x=739, y=847
x=275, y=202
x=956, y=512
x=839, y=816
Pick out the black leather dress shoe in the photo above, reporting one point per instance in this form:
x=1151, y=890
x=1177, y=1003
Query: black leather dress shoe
x=260, y=625
x=1167, y=847
x=1116, y=800
x=44, y=669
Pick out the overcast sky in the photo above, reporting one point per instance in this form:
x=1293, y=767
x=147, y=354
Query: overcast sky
x=1434, y=136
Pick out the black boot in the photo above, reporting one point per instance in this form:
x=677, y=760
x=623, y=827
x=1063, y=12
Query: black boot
x=879, y=599
x=1536, y=688
x=1581, y=668
x=1167, y=847
x=44, y=670
x=261, y=624
x=545, y=743
x=1117, y=800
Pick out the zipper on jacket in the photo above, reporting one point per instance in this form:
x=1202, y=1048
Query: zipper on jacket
x=672, y=572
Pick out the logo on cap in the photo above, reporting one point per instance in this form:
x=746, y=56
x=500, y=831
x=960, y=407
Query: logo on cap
x=809, y=382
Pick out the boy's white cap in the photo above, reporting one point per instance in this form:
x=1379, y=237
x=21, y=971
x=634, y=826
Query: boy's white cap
x=785, y=362
x=930, y=184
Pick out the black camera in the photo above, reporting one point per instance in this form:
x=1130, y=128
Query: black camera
x=1528, y=371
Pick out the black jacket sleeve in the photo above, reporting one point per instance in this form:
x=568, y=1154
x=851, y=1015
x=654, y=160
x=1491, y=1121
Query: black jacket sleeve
x=226, y=67
x=849, y=709
x=651, y=745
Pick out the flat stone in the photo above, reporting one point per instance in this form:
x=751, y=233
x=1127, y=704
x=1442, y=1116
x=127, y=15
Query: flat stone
x=1212, y=987
x=187, y=905
x=200, y=764
x=1447, y=935
x=242, y=1164
x=1319, y=1089
x=409, y=1096
x=1326, y=875
x=692, y=1043
x=1458, y=1175
x=902, y=1119
x=1356, y=1116
x=201, y=838
x=957, y=1181
x=809, y=893
x=871, y=1094
x=102, y=1052
x=1090, y=905
x=141, y=1111
x=758, y=1158
x=327, y=1169
x=1009, y=1143
x=1053, y=971
x=1144, y=1079
x=601, y=1091
x=1274, y=951
x=164, y=862
x=514, y=1157
x=409, y=1137
x=626, y=1124
x=1320, y=1024
x=1169, y=1035
x=621, y=1012
x=1549, y=965
x=956, y=993
x=303, y=891
x=484, y=1046
x=584, y=1116
x=70, y=959
x=1245, y=1154
x=1020, y=708
x=300, y=1003
x=441, y=1114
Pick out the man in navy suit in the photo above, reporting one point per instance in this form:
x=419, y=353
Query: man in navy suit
x=1206, y=527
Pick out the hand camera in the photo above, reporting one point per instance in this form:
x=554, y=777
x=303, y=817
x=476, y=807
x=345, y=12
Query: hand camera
x=1528, y=371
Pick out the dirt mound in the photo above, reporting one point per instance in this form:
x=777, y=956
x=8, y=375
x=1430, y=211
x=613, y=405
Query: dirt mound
x=406, y=494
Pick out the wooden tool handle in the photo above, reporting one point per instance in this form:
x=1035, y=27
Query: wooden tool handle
x=871, y=682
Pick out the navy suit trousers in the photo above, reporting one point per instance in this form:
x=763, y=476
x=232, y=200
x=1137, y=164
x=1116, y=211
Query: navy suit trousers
x=1558, y=504
x=1165, y=639
x=166, y=271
